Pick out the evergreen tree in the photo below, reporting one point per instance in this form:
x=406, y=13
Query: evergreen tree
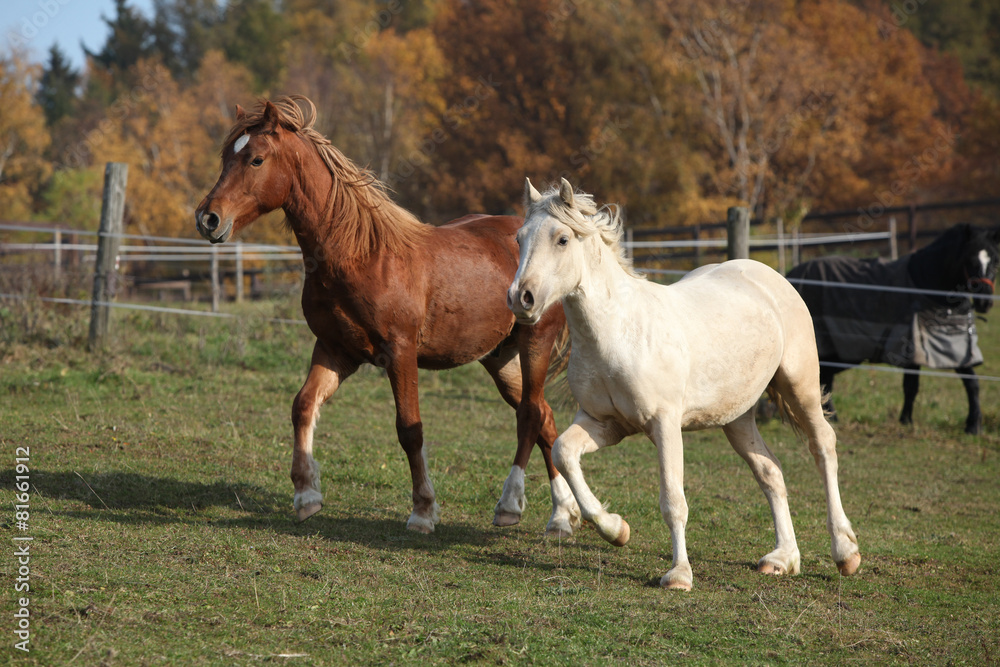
x=256, y=36
x=58, y=87
x=130, y=39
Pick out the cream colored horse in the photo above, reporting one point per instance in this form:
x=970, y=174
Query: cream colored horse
x=662, y=360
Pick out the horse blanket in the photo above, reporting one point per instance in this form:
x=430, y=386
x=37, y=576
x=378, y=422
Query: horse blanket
x=894, y=327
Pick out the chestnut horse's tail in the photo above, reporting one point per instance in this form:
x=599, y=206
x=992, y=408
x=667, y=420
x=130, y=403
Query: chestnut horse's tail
x=557, y=391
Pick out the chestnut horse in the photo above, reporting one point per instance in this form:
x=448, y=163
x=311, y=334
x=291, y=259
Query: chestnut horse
x=385, y=289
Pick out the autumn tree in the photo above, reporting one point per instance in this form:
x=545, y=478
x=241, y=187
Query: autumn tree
x=169, y=136
x=23, y=137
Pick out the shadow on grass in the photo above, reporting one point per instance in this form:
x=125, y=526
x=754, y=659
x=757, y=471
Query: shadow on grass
x=133, y=499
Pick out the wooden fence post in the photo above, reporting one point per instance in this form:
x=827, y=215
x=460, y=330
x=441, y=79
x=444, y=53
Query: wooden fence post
x=738, y=232
x=796, y=253
x=893, y=246
x=108, y=241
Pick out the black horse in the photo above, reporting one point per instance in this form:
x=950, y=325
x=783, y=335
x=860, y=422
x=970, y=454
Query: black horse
x=881, y=311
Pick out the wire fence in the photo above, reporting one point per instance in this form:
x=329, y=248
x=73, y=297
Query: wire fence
x=155, y=249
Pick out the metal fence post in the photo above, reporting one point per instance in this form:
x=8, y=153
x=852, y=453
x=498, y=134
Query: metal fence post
x=216, y=285
x=239, y=272
x=57, y=253
x=893, y=246
x=109, y=239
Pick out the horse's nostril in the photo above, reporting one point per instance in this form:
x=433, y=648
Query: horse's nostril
x=527, y=301
x=210, y=221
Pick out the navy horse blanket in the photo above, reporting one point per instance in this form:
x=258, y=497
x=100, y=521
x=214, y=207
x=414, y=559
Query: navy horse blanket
x=902, y=328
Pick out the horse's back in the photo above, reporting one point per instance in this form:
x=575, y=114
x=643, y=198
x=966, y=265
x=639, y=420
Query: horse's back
x=738, y=321
x=854, y=324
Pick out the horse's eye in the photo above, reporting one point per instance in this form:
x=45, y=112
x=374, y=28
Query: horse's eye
x=563, y=240
x=257, y=161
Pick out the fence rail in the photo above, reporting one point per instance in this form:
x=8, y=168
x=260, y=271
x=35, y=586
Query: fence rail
x=156, y=249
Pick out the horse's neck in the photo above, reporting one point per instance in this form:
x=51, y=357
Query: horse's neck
x=935, y=267
x=307, y=206
x=600, y=306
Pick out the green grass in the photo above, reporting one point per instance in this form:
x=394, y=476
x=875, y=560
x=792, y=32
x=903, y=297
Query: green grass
x=161, y=512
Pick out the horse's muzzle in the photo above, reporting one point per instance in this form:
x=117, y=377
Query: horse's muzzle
x=521, y=302
x=212, y=227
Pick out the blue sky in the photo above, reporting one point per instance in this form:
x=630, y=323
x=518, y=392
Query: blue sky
x=38, y=24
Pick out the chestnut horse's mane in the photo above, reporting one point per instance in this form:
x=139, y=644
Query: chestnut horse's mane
x=367, y=219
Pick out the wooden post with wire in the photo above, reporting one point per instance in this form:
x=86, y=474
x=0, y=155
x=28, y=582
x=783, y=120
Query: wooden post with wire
x=738, y=232
x=108, y=242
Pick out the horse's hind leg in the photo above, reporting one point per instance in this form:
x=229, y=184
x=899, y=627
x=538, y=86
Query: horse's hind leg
x=748, y=443
x=911, y=385
x=974, y=422
x=535, y=424
x=325, y=375
x=803, y=400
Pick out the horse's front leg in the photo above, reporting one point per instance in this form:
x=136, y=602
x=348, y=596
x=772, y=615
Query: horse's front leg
x=974, y=422
x=586, y=435
x=326, y=372
x=535, y=424
x=911, y=385
x=402, y=371
x=666, y=434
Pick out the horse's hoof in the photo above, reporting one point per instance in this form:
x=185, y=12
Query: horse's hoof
x=623, y=536
x=850, y=565
x=506, y=519
x=770, y=568
x=558, y=534
x=307, y=511
x=420, y=527
x=676, y=581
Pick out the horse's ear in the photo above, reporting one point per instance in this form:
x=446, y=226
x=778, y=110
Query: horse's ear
x=531, y=195
x=271, y=118
x=240, y=113
x=566, y=192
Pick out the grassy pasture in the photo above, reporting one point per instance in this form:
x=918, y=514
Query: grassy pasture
x=163, y=530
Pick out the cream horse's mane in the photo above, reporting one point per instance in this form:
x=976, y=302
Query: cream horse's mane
x=586, y=218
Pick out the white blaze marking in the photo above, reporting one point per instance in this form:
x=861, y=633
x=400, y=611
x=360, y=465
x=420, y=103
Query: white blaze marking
x=240, y=143
x=984, y=259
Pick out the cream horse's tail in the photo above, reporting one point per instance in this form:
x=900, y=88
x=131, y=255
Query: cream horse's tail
x=785, y=411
